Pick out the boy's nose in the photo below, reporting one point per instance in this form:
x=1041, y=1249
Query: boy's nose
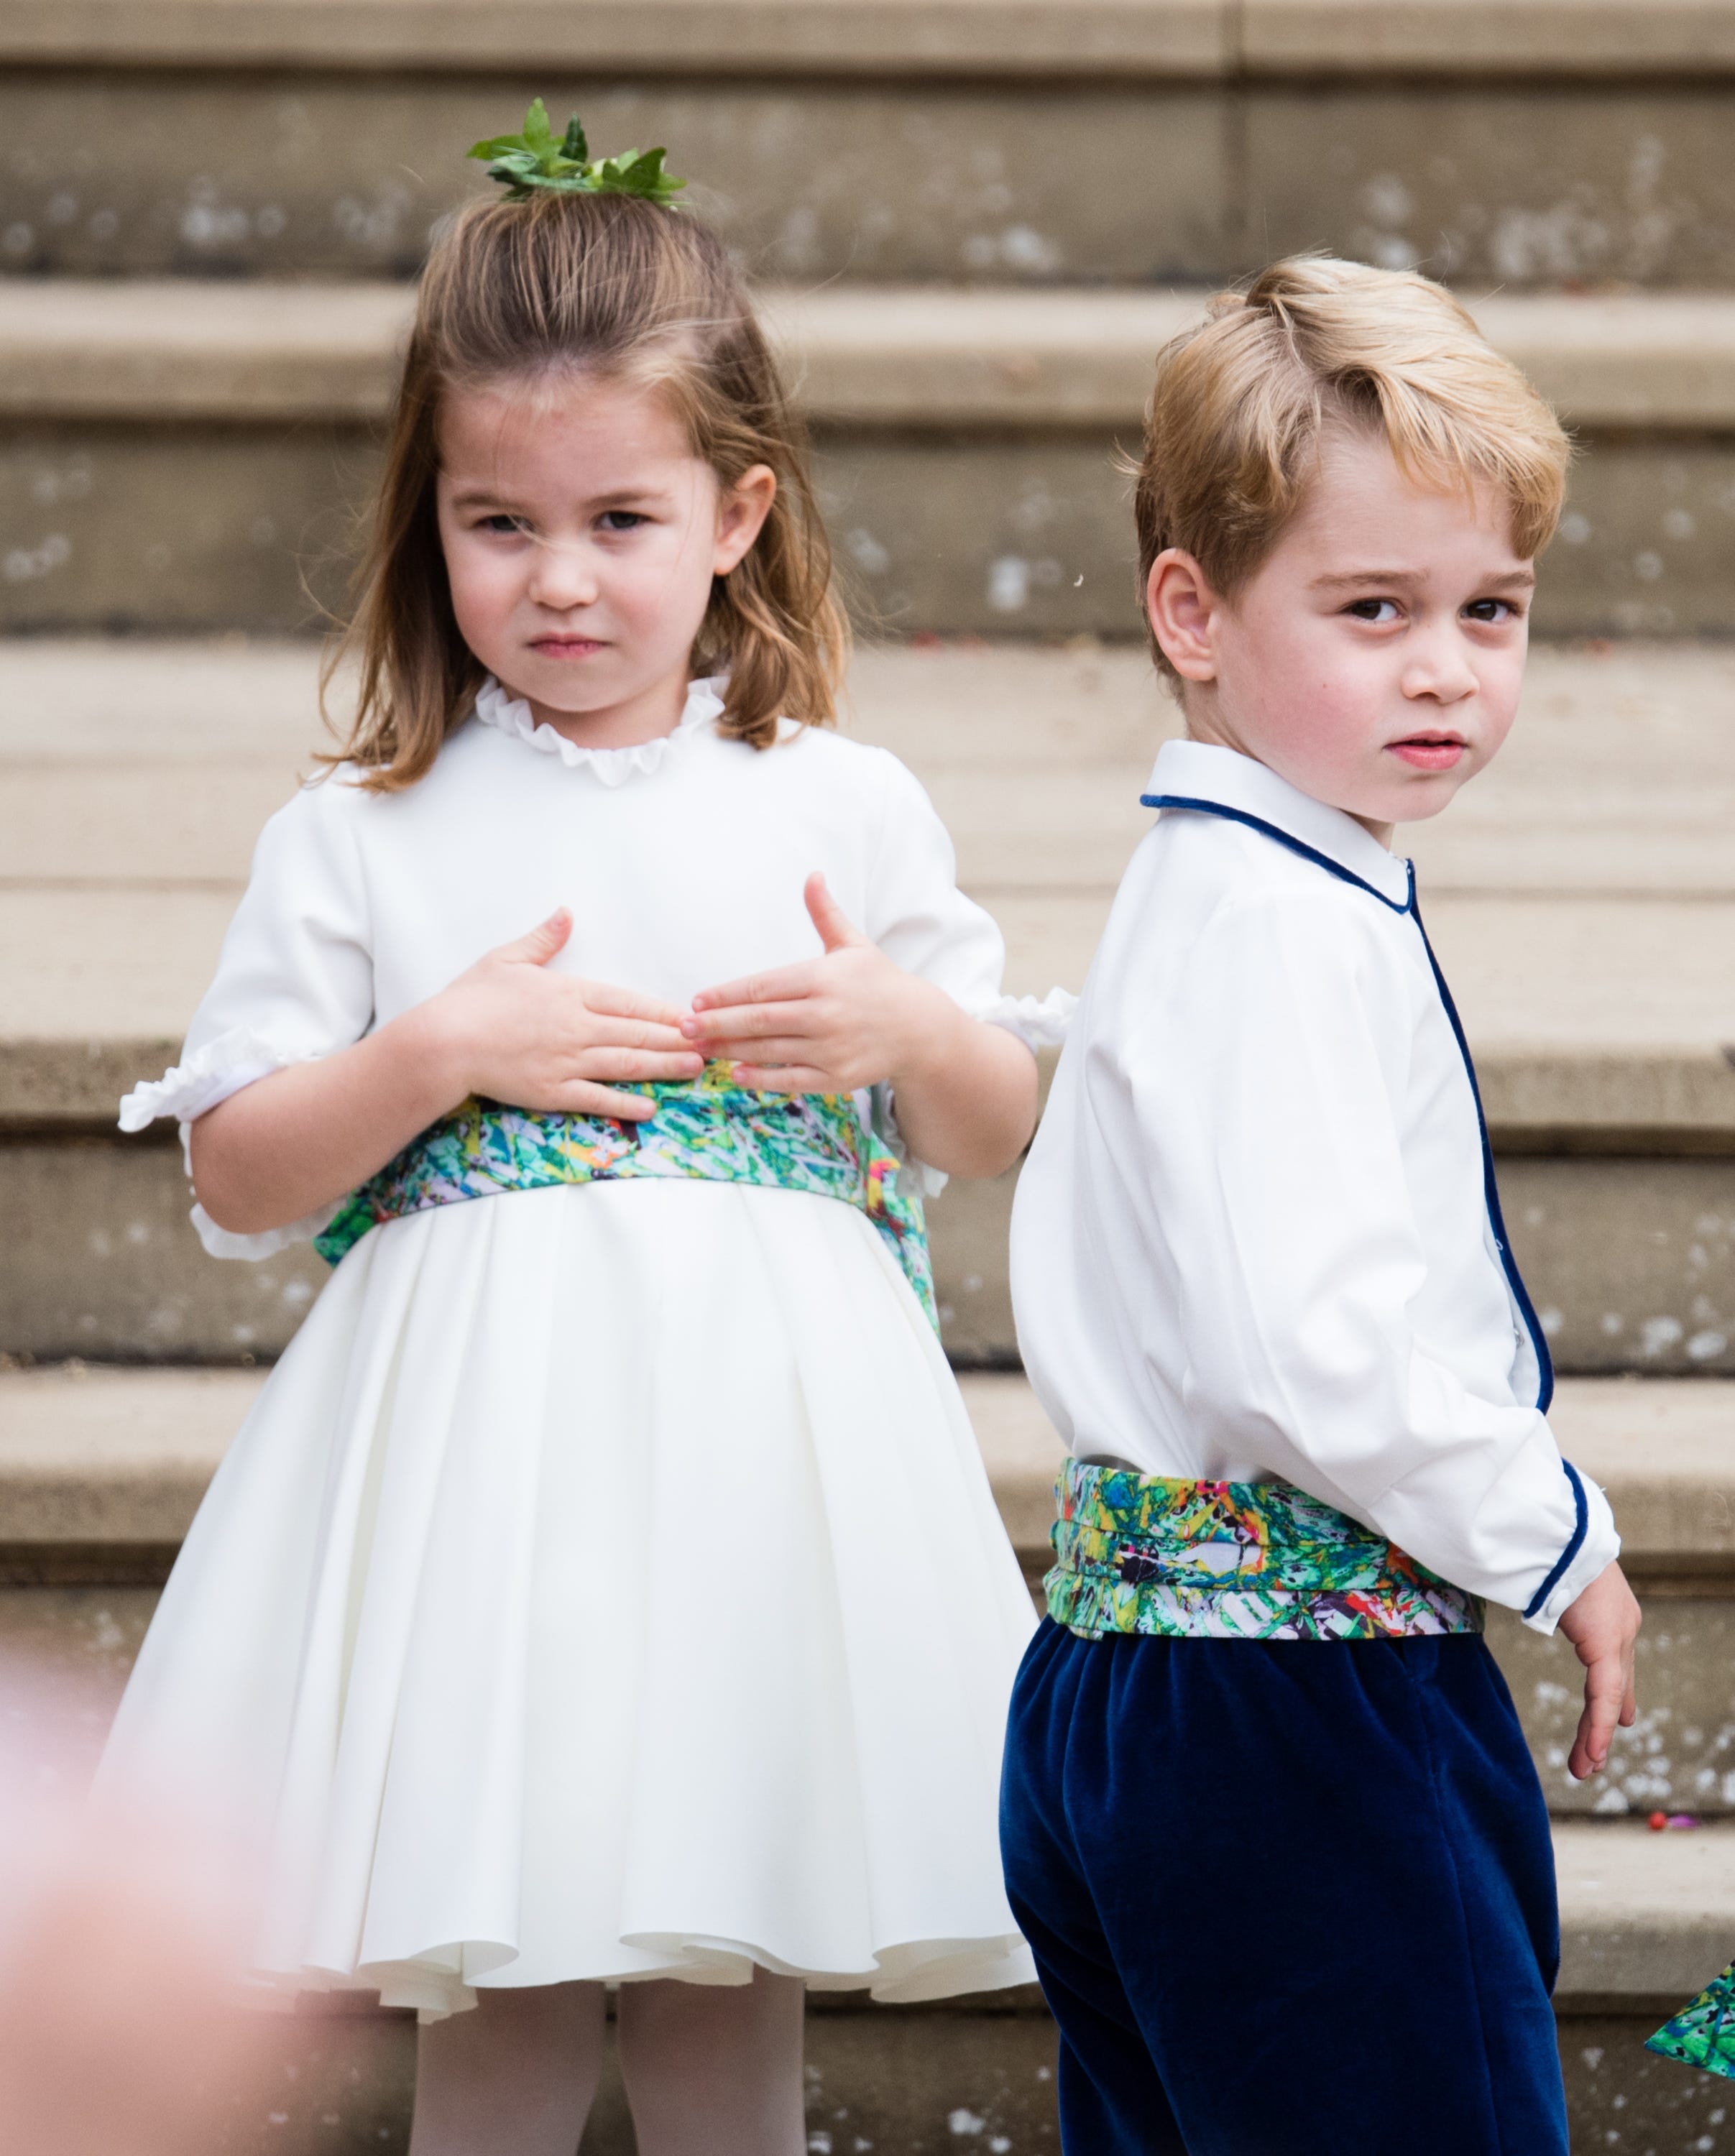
x=1441, y=670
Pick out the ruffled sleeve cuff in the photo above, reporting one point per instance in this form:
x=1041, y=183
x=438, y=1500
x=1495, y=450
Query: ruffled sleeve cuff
x=208, y=1076
x=191, y=1089
x=219, y=1243
x=1038, y=1022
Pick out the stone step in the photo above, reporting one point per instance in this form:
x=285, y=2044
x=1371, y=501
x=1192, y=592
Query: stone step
x=1528, y=144
x=1580, y=895
x=180, y=455
x=101, y=1470
x=979, y=2074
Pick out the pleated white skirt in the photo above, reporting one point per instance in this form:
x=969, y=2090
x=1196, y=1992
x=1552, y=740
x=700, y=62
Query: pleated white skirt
x=606, y=1585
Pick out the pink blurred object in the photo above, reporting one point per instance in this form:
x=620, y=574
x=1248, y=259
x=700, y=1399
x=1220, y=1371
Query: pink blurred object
x=118, y=2032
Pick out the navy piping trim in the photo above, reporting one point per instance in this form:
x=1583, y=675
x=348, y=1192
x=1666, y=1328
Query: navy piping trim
x=1296, y=845
x=1490, y=1189
x=1580, y=1527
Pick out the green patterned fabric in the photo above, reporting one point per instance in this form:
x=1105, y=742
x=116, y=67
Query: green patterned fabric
x=1180, y=1559
x=1703, y=2034
x=710, y=1130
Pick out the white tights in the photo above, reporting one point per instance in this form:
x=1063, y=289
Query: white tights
x=711, y=2070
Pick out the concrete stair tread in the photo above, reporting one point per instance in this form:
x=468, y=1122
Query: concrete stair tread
x=930, y=357
x=95, y=1459
x=1642, y=1915
x=117, y=1439
x=1662, y=1447
x=1621, y=777
x=1163, y=40
x=1581, y=894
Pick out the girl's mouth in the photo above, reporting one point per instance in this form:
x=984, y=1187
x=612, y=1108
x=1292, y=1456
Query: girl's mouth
x=566, y=647
x=1429, y=751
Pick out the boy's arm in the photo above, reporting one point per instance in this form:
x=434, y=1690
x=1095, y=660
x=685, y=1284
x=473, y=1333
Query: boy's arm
x=1268, y=1114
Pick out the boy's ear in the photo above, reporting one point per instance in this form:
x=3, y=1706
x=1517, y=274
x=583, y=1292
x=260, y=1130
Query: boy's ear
x=1184, y=610
x=741, y=514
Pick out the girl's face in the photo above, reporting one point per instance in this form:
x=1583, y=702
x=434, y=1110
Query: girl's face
x=581, y=535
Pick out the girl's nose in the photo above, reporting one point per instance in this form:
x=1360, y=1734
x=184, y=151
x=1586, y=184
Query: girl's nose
x=562, y=577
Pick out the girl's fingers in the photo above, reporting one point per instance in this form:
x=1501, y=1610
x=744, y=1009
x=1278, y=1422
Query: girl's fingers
x=787, y=983
x=752, y=1021
x=837, y=930
x=582, y=1098
x=604, y=997
x=640, y=1032
x=763, y=1053
x=543, y=941
x=636, y=1066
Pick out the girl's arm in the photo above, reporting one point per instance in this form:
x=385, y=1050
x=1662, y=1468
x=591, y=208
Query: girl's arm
x=966, y=1091
x=289, y=1144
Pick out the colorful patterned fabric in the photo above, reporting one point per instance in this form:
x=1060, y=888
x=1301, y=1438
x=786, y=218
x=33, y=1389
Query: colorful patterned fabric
x=1181, y=1559
x=1703, y=2034
x=710, y=1130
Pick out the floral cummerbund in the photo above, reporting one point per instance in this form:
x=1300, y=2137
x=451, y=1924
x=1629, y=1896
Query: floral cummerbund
x=710, y=1130
x=1180, y=1559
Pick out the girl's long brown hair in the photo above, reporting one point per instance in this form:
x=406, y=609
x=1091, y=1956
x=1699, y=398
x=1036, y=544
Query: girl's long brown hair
x=613, y=287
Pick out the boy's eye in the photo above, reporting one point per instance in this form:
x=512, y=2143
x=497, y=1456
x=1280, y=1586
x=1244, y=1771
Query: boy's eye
x=1378, y=610
x=1494, y=610
x=622, y=520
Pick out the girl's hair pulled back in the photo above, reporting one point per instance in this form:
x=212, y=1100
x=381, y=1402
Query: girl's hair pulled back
x=608, y=286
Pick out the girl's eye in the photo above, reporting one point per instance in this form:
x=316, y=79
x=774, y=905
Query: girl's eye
x=622, y=520
x=502, y=523
x=1492, y=610
x=1375, y=610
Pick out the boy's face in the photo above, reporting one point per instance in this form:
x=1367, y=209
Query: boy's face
x=1375, y=657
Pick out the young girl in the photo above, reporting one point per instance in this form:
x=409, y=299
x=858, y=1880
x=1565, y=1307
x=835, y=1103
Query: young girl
x=606, y=1589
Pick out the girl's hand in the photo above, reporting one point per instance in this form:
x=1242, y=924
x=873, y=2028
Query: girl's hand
x=540, y=1041
x=831, y=1025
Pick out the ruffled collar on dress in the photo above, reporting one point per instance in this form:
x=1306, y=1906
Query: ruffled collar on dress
x=612, y=767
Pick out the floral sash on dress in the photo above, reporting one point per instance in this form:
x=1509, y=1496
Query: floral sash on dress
x=1703, y=2034
x=1180, y=1559
x=708, y=1129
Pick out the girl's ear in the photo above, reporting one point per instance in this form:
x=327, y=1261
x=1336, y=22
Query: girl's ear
x=1184, y=609
x=741, y=515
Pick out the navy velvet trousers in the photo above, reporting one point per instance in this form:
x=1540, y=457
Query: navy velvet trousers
x=1287, y=1898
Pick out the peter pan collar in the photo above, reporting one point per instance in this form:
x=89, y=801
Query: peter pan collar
x=1222, y=781
x=611, y=767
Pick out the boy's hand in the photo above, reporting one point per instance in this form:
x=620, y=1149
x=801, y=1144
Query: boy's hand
x=830, y=1025
x=511, y=1029
x=1602, y=1626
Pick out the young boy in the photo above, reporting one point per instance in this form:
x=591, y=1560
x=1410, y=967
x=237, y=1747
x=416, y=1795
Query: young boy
x=1268, y=1821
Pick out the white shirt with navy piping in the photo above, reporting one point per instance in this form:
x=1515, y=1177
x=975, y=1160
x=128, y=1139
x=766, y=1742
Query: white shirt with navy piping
x=1258, y=1235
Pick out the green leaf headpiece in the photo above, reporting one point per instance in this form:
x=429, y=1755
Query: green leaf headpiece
x=524, y=163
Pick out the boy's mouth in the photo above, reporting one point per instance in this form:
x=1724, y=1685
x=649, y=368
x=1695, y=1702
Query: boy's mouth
x=1430, y=751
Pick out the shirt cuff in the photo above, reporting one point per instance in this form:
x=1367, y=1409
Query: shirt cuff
x=1593, y=1546
x=1038, y=1023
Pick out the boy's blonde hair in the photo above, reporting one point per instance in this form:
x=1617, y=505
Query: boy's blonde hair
x=561, y=288
x=1241, y=403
